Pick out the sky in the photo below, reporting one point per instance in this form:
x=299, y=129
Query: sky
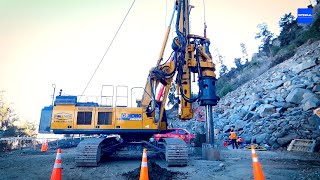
x=61, y=42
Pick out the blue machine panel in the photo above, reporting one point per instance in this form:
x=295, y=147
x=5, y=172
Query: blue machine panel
x=45, y=119
x=65, y=100
x=92, y=104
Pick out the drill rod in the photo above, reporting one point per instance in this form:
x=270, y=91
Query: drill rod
x=210, y=126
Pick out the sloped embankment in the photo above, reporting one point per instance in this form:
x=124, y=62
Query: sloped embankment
x=277, y=106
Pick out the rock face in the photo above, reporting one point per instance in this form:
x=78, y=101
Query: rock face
x=274, y=108
x=278, y=105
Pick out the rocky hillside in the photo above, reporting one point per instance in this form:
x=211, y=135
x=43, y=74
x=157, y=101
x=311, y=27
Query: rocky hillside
x=277, y=106
x=274, y=108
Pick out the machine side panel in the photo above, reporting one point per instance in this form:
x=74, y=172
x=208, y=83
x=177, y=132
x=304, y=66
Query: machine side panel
x=45, y=119
x=107, y=131
x=128, y=118
x=84, y=118
x=63, y=116
x=104, y=118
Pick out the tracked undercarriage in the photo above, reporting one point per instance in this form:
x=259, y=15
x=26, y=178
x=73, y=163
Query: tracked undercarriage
x=89, y=151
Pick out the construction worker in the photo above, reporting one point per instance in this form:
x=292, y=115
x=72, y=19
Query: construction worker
x=233, y=138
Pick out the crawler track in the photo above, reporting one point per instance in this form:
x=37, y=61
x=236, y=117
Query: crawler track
x=89, y=151
x=176, y=152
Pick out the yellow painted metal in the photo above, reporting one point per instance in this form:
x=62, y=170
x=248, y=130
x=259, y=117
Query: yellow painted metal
x=164, y=44
x=65, y=117
x=148, y=122
x=163, y=103
x=103, y=126
x=82, y=126
x=62, y=116
x=147, y=95
x=191, y=61
x=122, y=123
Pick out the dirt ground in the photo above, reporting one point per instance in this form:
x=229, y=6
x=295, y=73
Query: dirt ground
x=235, y=164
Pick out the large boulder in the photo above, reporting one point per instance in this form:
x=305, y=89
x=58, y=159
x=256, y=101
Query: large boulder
x=314, y=120
x=311, y=103
x=273, y=142
x=247, y=137
x=233, y=118
x=296, y=95
x=274, y=85
x=304, y=65
x=287, y=139
x=248, y=115
x=316, y=88
x=240, y=124
x=226, y=128
x=254, y=105
x=261, y=138
x=266, y=110
x=280, y=134
x=287, y=84
x=278, y=104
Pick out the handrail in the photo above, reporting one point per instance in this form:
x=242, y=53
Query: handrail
x=121, y=86
x=107, y=96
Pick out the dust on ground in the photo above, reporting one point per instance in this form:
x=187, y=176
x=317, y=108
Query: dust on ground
x=235, y=164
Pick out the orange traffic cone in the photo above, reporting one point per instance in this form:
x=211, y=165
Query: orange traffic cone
x=44, y=147
x=57, y=170
x=257, y=170
x=144, y=166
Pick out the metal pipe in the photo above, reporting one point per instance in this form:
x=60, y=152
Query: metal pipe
x=54, y=91
x=210, y=126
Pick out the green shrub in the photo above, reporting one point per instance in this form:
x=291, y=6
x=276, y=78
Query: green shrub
x=225, y=90
x=275, y=50
x=283, y=54
x=312, y=33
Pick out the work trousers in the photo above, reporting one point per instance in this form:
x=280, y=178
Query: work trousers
x=234, y=143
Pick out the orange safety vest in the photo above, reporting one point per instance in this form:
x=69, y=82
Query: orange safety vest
x=233, y=135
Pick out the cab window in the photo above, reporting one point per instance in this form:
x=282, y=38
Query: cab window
x=84, y=118
x=104, y=118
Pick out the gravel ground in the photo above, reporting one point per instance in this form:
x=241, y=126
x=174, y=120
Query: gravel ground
x=235, y=164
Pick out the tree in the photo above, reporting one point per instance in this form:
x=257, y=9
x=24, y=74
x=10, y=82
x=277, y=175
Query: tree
x=28, y=128
x=223, y=70
x=244, y=53
x=223, y=67
x=289, y=27
x=285, y=21
x=266, y=37
x=9, y=121
x=237, y=62
x=7, y=116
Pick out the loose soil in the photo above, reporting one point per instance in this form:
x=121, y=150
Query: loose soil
x=155, y=172
x=234, y=164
